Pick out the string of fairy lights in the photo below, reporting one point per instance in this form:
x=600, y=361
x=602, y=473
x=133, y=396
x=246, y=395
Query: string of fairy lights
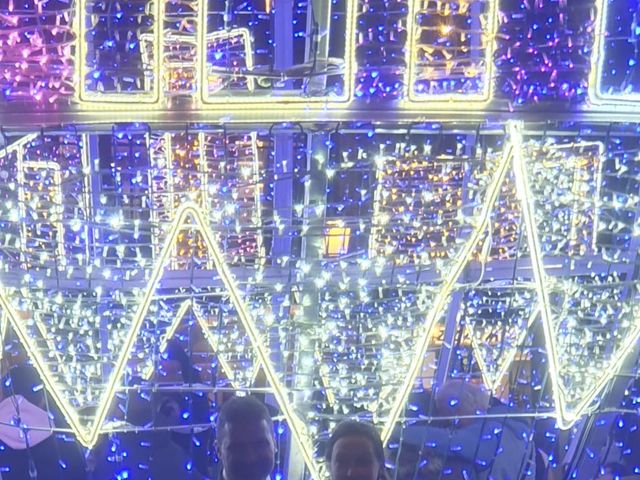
x=86, y=241
x=212, y=53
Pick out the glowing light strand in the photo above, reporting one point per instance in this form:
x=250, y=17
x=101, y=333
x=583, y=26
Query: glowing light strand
x=565, y=417
x=614, y=59
x=89, y=437
x=446, y=288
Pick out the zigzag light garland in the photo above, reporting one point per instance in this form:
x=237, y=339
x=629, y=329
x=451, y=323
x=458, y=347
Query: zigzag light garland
x=577, y=378
x=89, y=436
x=413, y=229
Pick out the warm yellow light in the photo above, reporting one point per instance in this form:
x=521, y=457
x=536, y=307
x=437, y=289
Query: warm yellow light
x=336, y=240
x=446, y=102
x=445, y=29
x=196, y=182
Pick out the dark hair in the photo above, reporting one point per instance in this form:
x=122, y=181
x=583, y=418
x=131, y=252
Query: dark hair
x=353, y=428
x=174, y=351
x=242, y=410
x=24, y=380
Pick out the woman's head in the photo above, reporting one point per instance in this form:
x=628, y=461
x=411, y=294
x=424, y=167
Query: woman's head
x=461, y=398
x=355, y=452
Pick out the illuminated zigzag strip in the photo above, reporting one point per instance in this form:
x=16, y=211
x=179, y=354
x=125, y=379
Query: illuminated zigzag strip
x=211, y=339
x=513, y=158
x=512, y=153
x=565, y=417
x=442, y=298
x=89, y=436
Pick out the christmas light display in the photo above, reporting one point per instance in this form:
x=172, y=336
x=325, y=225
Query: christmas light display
x=208, y=56
x=111, y=67
x=544, y=51
x=443, y=210
x=283, y=204
x=232, y=55
x=208, y=51
x=565, y=324
x=450, y=54
x=36, y=44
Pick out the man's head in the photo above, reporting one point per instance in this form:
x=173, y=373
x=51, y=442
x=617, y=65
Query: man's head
x=175, y=365
x=355, y=452
x=245, y=441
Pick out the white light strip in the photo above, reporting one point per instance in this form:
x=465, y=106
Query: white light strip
x=4, y=322
x=526, y=205
x=596, y=95
x=89, y=436
x=449, y=284
x=565, y=417
x=211, y=339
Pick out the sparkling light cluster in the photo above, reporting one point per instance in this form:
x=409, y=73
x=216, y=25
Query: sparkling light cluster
x=390, y=316
x=400, y=196
x=36, y=62
x=116, y=242
x=451, y=49
x=112, y=66
x=381, y=38
x=414, y=50
x=544, y=50
x=570, y=173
